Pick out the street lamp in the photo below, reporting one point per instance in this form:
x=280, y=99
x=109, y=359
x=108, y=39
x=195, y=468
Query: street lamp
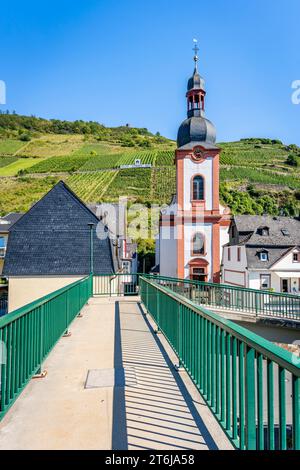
x=91, y=226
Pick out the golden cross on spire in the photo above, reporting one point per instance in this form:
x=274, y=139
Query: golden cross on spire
x=195, y=49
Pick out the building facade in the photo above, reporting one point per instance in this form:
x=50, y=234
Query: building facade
x=263, y=253
x=194, y=228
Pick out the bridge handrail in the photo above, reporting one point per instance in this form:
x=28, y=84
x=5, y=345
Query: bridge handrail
x=226, y=361
x=28, y=334
x=282, y=356
x=223, y=296
x=225, y=286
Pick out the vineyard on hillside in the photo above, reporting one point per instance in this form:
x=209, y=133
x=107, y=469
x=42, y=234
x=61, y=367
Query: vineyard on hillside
x=147, y=158
x=59, y=164
x=257, y=175
x=91, y=186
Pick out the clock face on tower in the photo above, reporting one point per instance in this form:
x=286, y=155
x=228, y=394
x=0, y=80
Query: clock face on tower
x=198, y=154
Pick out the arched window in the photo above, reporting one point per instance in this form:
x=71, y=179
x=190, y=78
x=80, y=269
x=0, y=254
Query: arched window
x=198, y=188
x=198, y=244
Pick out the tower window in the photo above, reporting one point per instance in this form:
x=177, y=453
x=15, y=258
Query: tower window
x=198, y=244
x=198, y=188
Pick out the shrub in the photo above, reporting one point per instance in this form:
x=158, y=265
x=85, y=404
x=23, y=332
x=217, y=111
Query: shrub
x=22, y=172
x=25, y=137
x=292, y=160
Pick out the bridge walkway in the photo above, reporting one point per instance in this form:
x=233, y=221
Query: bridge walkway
x=111, y=385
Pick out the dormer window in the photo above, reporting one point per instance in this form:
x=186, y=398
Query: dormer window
x=263, y=256
x=285, y=232
x=263, y=231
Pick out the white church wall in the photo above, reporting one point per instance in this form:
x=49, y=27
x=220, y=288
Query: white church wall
x=167, y=252
x=191, y=169
x=189, y=231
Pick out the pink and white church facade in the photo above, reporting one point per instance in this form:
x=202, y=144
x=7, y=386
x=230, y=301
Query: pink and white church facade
x=194, y=228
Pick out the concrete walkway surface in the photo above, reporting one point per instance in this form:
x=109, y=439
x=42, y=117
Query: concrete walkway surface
x=133, y=398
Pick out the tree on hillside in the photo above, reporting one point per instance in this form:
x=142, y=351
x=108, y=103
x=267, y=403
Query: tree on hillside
x=292, y=160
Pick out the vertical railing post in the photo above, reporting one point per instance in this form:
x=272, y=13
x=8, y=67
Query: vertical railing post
x=296, y=413
x=42, y=335
x=158, y=310
x=3, y=354
x=250, y=400
x=180, y=333
x=256, y=303
x=270, y=404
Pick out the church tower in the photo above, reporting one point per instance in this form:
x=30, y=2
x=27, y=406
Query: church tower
x=199, y=224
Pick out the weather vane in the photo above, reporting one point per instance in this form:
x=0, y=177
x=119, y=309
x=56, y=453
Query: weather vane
x=195, y=49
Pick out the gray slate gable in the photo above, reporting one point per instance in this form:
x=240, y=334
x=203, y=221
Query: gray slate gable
x=53, y=238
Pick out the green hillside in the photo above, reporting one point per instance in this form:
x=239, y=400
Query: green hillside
x=257, y=175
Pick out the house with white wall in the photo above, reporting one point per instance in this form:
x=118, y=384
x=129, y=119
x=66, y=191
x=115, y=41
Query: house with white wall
x=263, y=253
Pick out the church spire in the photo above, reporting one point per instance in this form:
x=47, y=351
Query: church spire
x=196, y=128
x=195, y=89
x=196, y=58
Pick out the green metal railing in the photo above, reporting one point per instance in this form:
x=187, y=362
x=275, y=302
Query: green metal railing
x=238, y=299
x=28, y=334
x=116, y=284
x=251, y=385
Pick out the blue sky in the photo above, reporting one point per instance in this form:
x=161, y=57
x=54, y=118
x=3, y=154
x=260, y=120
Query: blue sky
x=127, y=61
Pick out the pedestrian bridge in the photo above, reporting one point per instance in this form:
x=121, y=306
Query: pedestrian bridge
x=112, y=384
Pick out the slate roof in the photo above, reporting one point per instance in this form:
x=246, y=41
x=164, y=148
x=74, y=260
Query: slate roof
x=9, y=220
x=196, y=129
x=196, y=82
x=276, y=243
x=52, y=238
x=274, y=255
x=251, y=223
